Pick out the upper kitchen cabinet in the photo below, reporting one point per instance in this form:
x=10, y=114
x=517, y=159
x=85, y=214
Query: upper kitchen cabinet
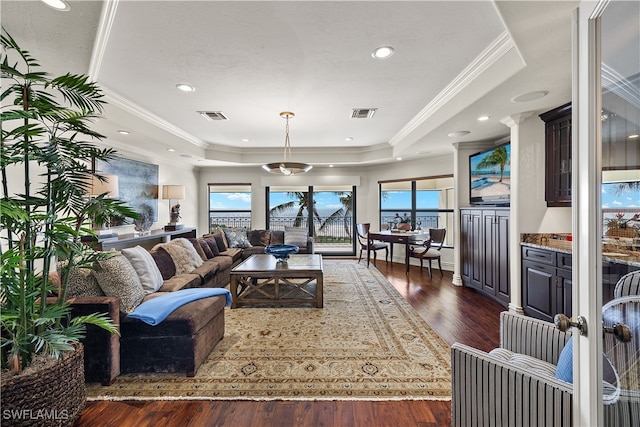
x=558, y=155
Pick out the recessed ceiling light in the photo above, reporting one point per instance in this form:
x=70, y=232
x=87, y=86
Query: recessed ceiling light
x=123, y=132
x=634, y=136
x=458, y=133
x=330, y=166
x=382, y=52
x=349, y=139
x=531, y=96
x=398, y=158
x=58, y=5
x=171, y=149
x=483, y=118
x=185, y=87
x=245, y=140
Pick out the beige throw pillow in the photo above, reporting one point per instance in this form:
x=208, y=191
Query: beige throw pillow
x=146, y=268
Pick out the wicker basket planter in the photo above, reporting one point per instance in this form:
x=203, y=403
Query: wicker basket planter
x=52, y=396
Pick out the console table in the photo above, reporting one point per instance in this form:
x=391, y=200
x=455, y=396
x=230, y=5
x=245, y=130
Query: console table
x=147, y=241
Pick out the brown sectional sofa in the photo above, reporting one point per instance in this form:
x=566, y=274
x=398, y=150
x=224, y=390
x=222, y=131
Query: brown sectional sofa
x=186, y=337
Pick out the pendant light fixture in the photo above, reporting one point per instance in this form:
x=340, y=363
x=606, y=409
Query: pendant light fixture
x=287, y=167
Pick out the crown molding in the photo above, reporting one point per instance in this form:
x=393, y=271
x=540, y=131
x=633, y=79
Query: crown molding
x=492, y=54
x=124, y=104
x=107, y=16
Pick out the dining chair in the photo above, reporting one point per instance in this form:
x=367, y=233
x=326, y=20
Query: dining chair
x=430, y=249
x=362, y=231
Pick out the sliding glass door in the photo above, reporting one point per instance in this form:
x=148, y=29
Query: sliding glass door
x=328, y=213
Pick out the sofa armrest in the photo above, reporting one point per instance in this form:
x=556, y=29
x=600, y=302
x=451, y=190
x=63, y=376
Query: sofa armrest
x=533, y=337
x=101, y=348
x=489, y=392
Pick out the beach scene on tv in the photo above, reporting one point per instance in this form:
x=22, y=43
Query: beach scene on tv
x=491, y=173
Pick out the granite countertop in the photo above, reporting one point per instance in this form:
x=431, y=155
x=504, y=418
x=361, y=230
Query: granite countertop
x=613, y=250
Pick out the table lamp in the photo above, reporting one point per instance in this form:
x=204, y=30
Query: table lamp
x=173, y=192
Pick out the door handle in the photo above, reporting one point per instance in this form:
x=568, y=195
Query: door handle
x=619, y=330
x=563, y=323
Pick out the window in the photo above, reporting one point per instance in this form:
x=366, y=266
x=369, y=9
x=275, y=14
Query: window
x=229, y=206
x=426, y=202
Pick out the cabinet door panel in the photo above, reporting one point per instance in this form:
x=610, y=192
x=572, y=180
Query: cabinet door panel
x=503, y=259
x=565, y=285
x=539, y=292
x=489, y=231
x=476, y=252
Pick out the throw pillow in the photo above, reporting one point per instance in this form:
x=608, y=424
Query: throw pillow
x=295, y=236
x=164, y=262
x=237, y=238
x=198, y=248
x=205, y=247
x=117, y=278
x=146, y=268
x=82, y=282
x=184, y=255
x=564, y=368
x=260, y=237
x=221, y=241
x=213, y=244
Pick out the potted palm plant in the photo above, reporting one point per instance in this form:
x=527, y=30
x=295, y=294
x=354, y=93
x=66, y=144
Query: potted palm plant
x=46, y=165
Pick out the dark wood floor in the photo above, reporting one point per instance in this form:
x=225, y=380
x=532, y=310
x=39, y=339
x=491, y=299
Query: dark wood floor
x=456, y=314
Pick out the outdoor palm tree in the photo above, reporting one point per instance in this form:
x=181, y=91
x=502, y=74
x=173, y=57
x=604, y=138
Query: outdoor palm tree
x=498, y=157
x=300, y=202
x=341, y=214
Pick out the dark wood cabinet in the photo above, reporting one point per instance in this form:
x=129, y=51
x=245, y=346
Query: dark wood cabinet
x=485, y=251
x=547, y=286
x=546, y=283
x=558, y=156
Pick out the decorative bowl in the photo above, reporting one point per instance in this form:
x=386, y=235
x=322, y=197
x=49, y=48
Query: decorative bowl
x=281, y=252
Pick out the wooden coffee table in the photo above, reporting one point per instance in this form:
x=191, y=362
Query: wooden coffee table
x=260, y=279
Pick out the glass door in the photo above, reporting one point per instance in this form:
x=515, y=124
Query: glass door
x=606, y=99
x=620, y=212
x=328, y=212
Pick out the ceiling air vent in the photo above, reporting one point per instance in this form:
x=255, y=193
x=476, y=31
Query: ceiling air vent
x=213, y=115
x=363, y=113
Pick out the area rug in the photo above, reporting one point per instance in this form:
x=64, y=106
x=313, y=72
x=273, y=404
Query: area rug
x=367, y=343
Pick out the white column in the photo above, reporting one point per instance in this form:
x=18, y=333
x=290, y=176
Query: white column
x=457, y=185
x=513, y=122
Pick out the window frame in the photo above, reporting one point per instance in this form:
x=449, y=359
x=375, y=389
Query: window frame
x=244, y=223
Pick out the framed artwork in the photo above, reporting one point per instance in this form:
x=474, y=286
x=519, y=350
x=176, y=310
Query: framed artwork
x=137, y=183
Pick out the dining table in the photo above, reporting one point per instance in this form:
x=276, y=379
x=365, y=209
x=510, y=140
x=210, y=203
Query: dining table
x=401, y=237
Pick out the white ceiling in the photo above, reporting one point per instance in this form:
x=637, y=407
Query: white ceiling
x=453, y=62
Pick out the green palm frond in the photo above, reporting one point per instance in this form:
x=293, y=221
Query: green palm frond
x=48, y=124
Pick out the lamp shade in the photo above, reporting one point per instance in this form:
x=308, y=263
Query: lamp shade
x=109, y=186
x=173, y=192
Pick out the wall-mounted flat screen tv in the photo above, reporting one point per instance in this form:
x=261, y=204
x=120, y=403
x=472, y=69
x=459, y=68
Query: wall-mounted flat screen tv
x=490, y=176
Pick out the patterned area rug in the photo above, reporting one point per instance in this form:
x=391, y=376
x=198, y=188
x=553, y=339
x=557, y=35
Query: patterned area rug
x=367, y=343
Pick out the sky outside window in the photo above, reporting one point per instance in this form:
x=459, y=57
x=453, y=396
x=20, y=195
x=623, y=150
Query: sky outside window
x=230, y=201
x=612, y=198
